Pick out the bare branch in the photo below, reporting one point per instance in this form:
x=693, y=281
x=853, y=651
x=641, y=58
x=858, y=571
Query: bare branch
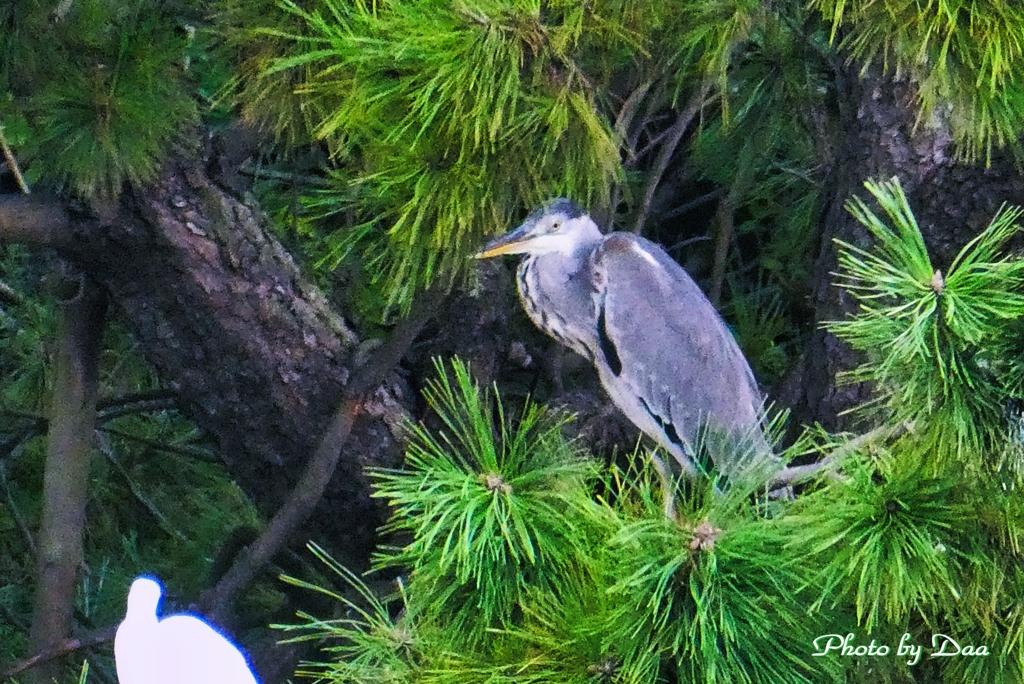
x=629, y=109
x=622, y=124
x=10, y=295
x=136, y=402
x=193, y=452
x=100, y=636
x=293, y=178
x=668, y=148
x=61, y=10
x=723, y=227
x=103, y=444
x=12, y=162
x=714, y=195
x=72, y=415
x=15, y=512
x=793, y=474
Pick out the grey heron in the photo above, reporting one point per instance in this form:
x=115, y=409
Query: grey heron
x=662, y=352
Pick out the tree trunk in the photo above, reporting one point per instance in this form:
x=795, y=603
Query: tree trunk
x=881, y=138
x=252, y=348
x=81, y=307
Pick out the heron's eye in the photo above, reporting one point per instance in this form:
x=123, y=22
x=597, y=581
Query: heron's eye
x=555, y=226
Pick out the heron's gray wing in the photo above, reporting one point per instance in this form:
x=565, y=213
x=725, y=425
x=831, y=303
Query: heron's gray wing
x=663, y=341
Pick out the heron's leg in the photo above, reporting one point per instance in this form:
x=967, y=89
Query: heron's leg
x=555, y=368
x=668, y=488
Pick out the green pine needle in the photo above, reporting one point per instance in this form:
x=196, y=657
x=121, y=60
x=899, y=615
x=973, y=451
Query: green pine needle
x=493, y=509
x=964, y=56
x=367, y=645
x=932, y=340
x=717, y=602
x=887, y=547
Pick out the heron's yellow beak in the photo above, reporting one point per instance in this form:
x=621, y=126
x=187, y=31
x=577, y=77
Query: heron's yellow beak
x=497, y=250
x=509, y=243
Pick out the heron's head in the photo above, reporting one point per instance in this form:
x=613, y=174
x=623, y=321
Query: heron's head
x=557, y=226
x=144, y=597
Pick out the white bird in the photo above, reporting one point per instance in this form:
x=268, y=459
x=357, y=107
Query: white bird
x=180, y=649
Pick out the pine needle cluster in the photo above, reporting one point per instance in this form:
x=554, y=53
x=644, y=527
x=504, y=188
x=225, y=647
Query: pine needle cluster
x=516, y=572
x=934, y=341
x=445, y=120
x=98, y=91
x=493, y=514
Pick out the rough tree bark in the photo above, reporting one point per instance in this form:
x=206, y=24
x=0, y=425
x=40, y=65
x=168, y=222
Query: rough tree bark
x=953, y=202
x=253, y=350
x=225, y=315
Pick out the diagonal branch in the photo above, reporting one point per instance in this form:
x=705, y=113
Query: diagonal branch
x=33, y=220
x=793, y=474
x=321, y=466
x=95, y=638
x=668, y=148
x=12, y=163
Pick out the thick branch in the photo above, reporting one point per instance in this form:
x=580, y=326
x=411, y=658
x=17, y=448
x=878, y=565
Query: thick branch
x=31, y=219
x=66, y=474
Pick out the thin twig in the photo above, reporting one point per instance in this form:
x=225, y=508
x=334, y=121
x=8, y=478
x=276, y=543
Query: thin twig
x=724, y=227
x=652, y=103
x=622, y=124
x=652, y=144
x=10, y=295
x=191, y=452
x=668, y=148
x=137, y=402
x=793, y=474
x=628, y=111
x=693, y=204
x=294, y=178
x=15, y=513
x=100, y=636
x=13, y=163
x=103, y=444
x=61, y=10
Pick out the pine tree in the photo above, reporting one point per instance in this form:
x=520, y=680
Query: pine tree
x=434, y=123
